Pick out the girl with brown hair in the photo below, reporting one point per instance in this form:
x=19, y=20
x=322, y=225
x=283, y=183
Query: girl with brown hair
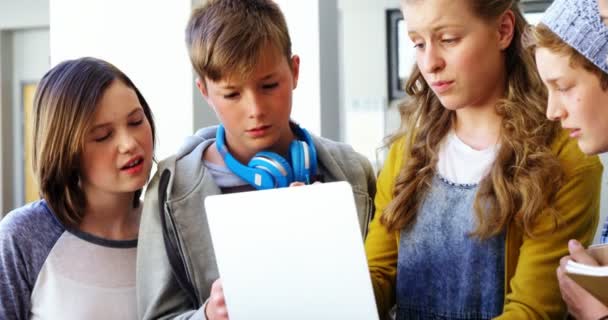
x=71, y=254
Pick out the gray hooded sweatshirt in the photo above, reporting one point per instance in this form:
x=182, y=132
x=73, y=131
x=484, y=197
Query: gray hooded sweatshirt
x=175, y=261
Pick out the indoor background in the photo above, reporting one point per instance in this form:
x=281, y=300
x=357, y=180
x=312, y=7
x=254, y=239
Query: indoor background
x=353, y=61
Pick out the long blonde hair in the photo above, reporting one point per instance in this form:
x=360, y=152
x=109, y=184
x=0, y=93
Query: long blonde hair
x=525, y=175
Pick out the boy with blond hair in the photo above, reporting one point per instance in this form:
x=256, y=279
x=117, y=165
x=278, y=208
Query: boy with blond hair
x=241, y=52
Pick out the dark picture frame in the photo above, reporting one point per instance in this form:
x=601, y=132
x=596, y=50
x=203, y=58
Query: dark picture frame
x=394, y=21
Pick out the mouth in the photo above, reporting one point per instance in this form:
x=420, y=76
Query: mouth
x=574, y=132
x=258, y=131
x=258, y=128
x=441, y=86
x=135, y=162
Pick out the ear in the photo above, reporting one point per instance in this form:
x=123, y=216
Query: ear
x=506, y=29
x=202, y=88
x=295, y=69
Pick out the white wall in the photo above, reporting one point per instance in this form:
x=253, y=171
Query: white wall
x=145, y=39
x=16, y=16
x=21, y=14
x=150, y=49
x=303, y=23
x=366, y=116
x=30, y=63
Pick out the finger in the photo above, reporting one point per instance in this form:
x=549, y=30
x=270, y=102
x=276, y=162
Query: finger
x=579, y=254
x=297, y=184
x=564, y=261
x=569, y=288
x=222, y=312
x=217, y=286
x=560, y=274
x=563, y=286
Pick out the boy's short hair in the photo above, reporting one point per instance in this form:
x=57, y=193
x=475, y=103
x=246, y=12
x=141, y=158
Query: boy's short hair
x=227, y=37
x=542, y=37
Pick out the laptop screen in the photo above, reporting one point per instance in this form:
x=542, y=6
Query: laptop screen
x=291, y=253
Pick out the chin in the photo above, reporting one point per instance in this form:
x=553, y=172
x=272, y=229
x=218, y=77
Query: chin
x=592, y=149
x=450, y=103
x=265, y=143
x=138, y=185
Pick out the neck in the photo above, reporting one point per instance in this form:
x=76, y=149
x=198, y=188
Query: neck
x=479, y=128
x=111, y=217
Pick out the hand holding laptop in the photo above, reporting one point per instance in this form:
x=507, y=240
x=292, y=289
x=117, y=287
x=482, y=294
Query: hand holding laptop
x=216, y=305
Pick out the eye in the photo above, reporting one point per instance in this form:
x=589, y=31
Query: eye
x=270, y=85
x=101, y=138
x=136, y=122
x=231, y=95
x=419, y=45
x=449, y=40
x=563, y=89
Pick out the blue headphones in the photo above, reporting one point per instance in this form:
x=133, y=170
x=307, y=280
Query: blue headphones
x=267, y=170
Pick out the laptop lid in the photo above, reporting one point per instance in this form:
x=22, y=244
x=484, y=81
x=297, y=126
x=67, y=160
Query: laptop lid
x=291, y=253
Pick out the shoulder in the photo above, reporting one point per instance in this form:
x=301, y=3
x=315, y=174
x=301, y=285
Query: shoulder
x=186, y=170
x=201, y=136
x=333, y=147
x=188, y=158
x=32, y=221
x=396, y=157
x=342, y=162
x=572, y=159
x=27, y=236
x=338, y=151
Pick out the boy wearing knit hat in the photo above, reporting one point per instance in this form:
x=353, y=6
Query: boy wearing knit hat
x=571, y=48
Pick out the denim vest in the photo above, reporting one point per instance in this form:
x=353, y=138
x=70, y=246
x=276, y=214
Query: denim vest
x=442, y=273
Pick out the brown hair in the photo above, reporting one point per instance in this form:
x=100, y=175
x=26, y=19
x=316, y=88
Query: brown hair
x=542, y=37
x=525, y=174
x=64, y=106
x=226, y=37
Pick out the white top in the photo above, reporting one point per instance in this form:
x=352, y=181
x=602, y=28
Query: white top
x=85, y=280
x=459, y=163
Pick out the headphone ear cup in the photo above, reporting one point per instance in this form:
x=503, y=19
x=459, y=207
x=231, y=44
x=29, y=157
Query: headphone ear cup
x=300, y=160
x=275, y=165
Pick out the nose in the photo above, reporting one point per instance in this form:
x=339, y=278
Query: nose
x=256, y=105
x=431, y=60
x=555, y=110
x=127, y=142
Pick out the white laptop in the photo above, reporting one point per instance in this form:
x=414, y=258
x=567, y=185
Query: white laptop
x=291, y=253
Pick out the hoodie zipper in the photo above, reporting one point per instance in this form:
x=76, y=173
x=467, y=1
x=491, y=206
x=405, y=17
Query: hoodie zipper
x=178, y=264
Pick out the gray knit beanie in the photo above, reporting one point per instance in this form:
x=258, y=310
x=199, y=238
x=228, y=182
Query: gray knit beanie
x=578, y=23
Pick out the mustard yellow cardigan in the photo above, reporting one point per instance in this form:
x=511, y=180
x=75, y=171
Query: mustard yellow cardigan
x=531, y=288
